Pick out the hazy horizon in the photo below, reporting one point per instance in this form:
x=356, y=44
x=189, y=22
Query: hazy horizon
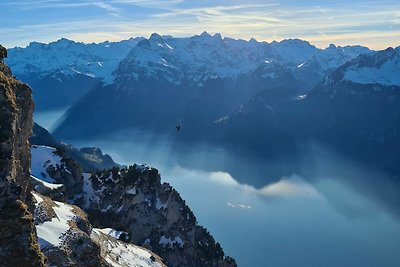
x=188, y=36
x=374, y=24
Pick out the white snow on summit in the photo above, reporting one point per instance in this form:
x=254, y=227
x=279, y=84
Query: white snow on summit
x=387, y=73
x=195, y=59
x=293, y=51
x=203, y=57
x=332, y=57
x=96, y=60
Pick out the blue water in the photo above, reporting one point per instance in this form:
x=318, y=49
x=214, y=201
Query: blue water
x=295, y=222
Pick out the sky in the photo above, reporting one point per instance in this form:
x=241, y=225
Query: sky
x=375, y=24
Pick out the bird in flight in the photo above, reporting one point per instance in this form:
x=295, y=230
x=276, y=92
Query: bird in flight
x=178, y=127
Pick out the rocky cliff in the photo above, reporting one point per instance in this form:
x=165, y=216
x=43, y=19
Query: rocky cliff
x=44, y=196
x=154, y=215
x=134, y=201
x=67, y=238
x=18, y=242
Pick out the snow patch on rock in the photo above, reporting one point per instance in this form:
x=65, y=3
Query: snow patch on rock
x=168, y=242
x=51, y=233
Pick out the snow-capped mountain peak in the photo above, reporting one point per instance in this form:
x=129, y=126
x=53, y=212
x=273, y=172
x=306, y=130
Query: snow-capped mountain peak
x=98, y=60
x=205, y=34
x=381, y=68
x=191, y=58
x=174, y=60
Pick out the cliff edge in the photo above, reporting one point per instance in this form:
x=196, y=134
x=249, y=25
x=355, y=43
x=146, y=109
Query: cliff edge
x=18, y=241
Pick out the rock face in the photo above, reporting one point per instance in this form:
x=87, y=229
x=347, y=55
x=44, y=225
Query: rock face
x=60, y=234
x=154, y=215
x=118, y=253
x=71, y=67
x=3, y=53
x=205, y=77
x=133, y=200
x=18, y=244
x=74, y=247
x=67, y=238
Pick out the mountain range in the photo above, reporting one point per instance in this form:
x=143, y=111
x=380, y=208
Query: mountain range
x=58, y=203
x=276, y=101
x=271, y=99
x=75, y=68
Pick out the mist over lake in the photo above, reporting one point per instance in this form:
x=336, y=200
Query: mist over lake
x=325, y=220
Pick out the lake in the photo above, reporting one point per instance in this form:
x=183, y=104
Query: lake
x=326, y=221
x=292, y=222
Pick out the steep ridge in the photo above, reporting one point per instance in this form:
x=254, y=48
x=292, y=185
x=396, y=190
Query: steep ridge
x=319, y=65
x=18, y=242
x=68, y=239
x=132, y=200
x=154, y=215
x=350, y=111
x=362, y=98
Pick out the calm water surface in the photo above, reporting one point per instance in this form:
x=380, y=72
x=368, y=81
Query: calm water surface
x=296, y=222
x=293, y=222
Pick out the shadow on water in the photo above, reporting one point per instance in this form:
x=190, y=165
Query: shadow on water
x=333, y=212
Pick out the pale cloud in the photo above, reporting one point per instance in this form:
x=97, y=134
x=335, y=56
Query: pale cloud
x=111, y=9
x=28, y=3
x=287, y=187
x=57, y=4
x=149, y=3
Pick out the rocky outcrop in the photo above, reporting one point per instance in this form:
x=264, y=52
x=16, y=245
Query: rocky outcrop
x=18, y=243
x=64, y=234
x=3, y=53
x=36, y=230
x=118, y=253
x=150, y=213
x=134, y=200
x=131, y=199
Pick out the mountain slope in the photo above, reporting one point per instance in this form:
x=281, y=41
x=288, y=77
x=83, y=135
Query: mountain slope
x=133, y=200
x=61, y=72
x=64, y=233
x=165, y=81
x=68, y=239
x=359, y=119
x=97, y=60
